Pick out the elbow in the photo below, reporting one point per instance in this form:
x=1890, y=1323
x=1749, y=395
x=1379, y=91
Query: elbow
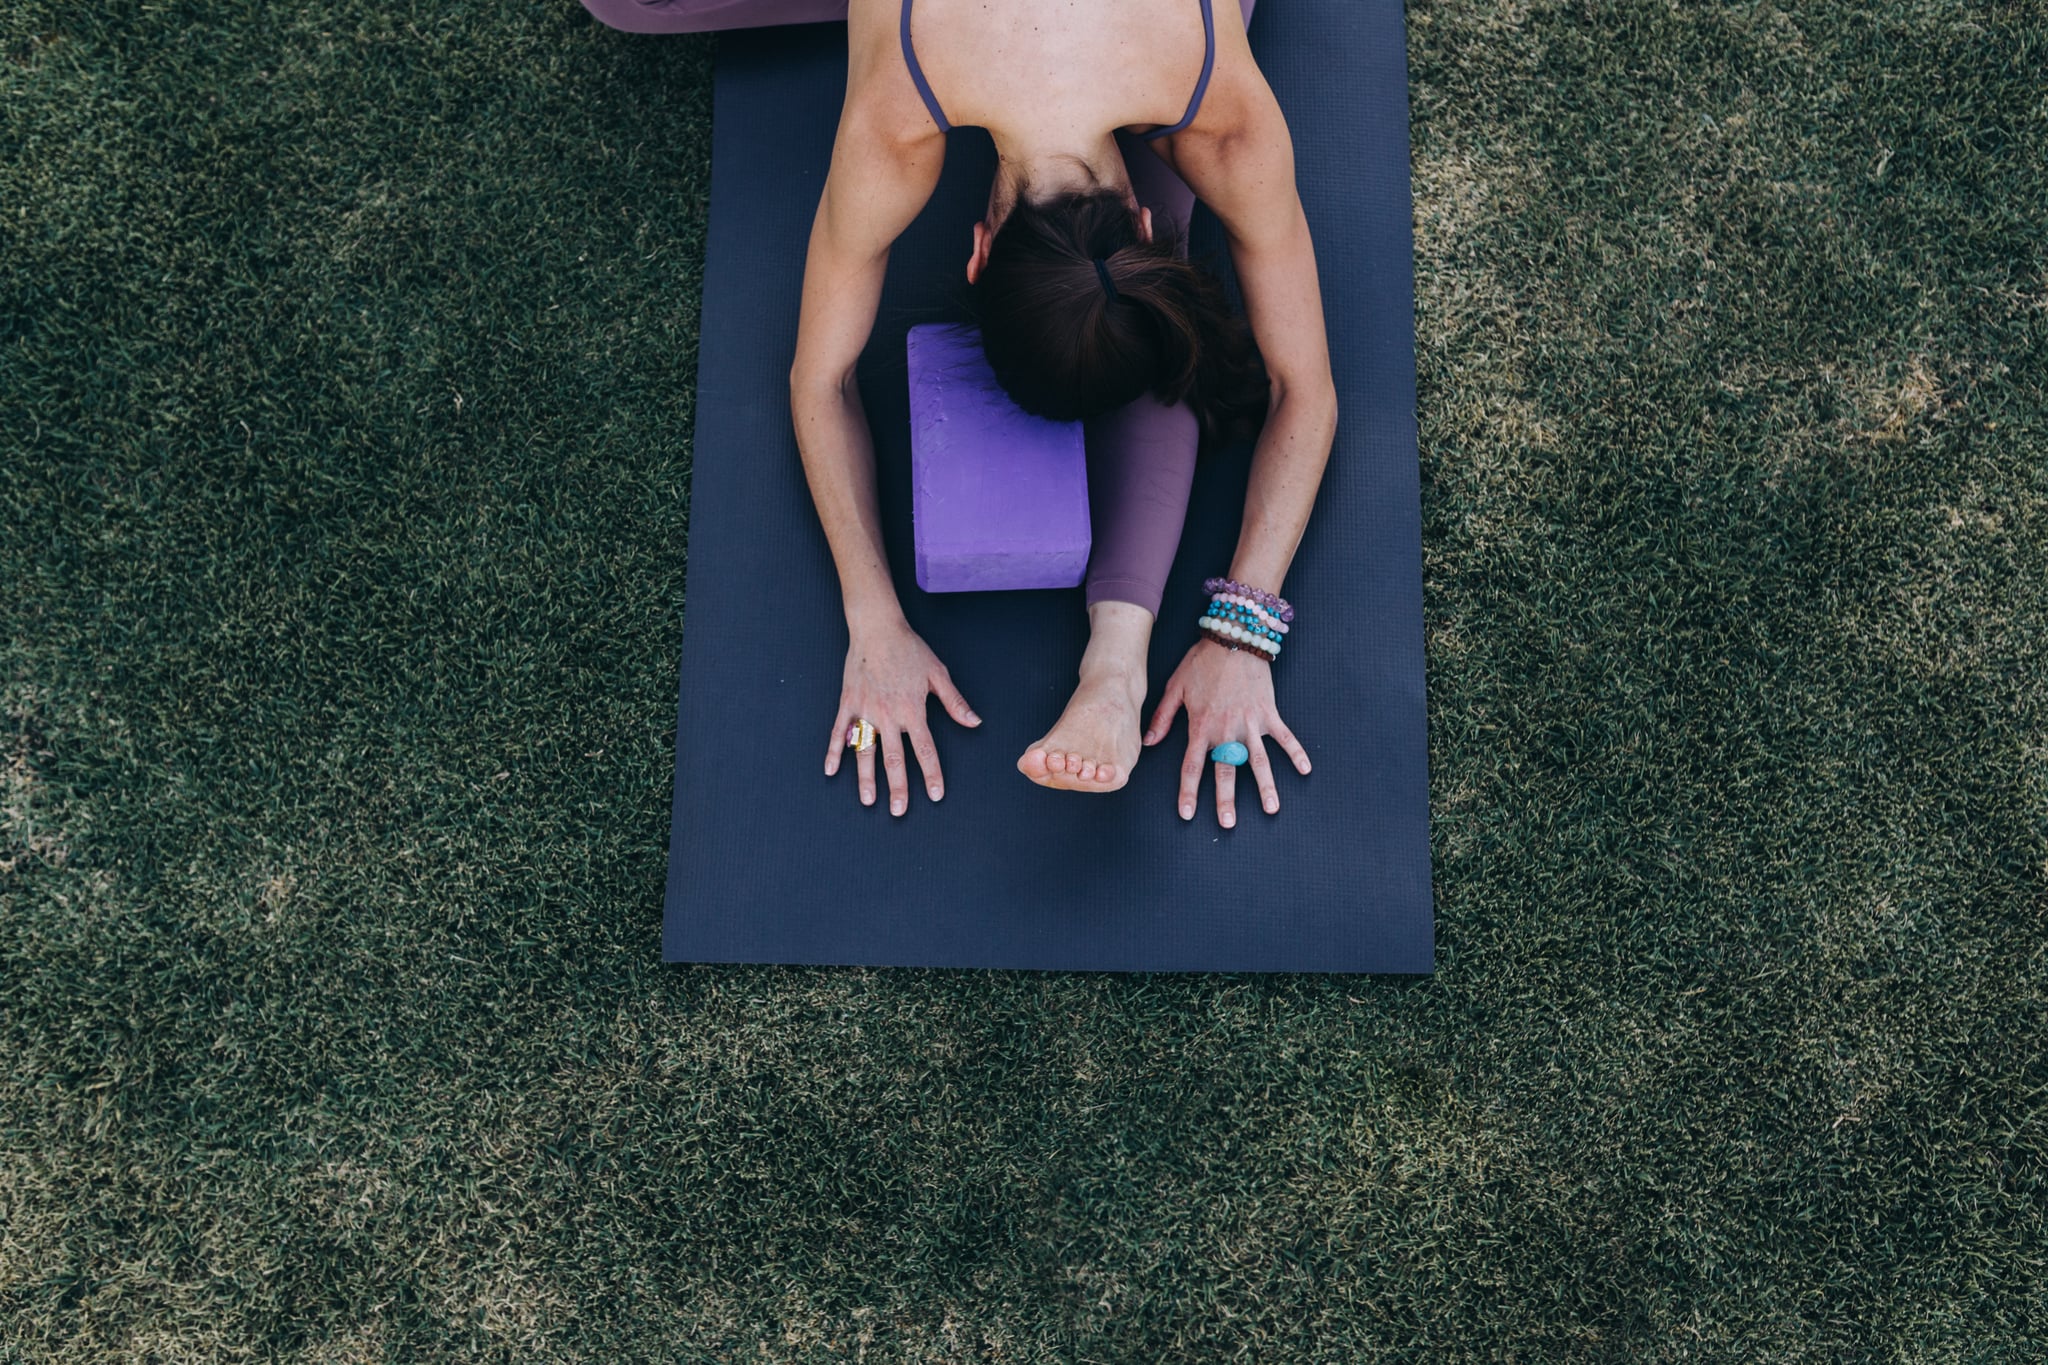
x=1322, y=395
x=802, y=380
x=810, y=383
x=803, y=391
x=1314, y=397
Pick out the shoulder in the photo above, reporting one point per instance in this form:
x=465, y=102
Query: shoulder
x=886, y=153
x=882, y=102
x=1237, y=155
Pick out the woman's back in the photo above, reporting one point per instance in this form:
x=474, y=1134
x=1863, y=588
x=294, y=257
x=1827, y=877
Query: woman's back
x=1056, y=69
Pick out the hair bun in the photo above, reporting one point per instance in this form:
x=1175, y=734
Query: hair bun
x=1060, y=352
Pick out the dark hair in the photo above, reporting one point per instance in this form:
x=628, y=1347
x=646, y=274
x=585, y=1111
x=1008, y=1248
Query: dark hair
x=1064, y=347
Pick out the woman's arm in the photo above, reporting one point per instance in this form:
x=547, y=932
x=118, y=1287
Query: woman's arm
x=880, y=176
x=1239, y=160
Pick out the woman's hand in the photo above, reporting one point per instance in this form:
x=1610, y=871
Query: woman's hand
x=889, y=672
x=1229, y=695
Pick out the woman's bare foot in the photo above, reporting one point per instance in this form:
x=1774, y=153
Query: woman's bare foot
x=1096, y=741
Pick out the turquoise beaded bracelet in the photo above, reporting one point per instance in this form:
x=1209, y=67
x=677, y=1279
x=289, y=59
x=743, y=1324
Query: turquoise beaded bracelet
x=1235, y=634
x=1244, y=616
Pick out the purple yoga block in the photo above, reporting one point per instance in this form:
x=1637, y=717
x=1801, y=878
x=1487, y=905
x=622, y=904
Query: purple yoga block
x=999, y=498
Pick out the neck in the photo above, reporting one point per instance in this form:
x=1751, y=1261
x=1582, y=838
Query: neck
x=1053, y=166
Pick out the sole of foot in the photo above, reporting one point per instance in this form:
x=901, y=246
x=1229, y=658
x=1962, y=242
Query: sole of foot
x=1095, y=742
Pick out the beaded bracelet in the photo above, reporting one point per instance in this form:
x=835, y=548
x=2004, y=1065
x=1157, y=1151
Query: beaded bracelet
x=1245, y=619
x=1272, y=602
x=1236, y=636
x=1266, y=618
x=1229, y=643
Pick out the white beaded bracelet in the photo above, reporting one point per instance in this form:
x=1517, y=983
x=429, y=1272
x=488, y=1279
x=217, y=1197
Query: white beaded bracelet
x=1266, y=618
x=1269, y=647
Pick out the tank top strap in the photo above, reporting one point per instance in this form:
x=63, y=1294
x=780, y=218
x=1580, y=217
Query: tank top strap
x=1201, y=86
x=924, y=88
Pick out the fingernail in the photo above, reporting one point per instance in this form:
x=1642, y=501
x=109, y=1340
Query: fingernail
x=1272, y=806
x=1187, y=812
x=895, y=807
x=1229, y=820
x=973, y=719
x=936, y=792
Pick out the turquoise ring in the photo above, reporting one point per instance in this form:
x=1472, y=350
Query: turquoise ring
x=1233, y=753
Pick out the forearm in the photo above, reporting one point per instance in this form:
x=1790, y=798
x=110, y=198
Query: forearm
x=1287, y=468
x=838, y=453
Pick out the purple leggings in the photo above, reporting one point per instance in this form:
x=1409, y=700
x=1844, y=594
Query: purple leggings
x=1141, y=458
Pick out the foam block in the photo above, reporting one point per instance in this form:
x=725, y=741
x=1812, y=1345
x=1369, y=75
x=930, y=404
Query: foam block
x=999, y=498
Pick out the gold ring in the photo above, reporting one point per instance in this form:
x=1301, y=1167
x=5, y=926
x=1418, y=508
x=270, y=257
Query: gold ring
x=860, y=736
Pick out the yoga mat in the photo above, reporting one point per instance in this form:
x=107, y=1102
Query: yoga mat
x=770, y=861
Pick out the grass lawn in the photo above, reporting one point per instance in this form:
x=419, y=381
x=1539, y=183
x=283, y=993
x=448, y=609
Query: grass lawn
x=346, y=363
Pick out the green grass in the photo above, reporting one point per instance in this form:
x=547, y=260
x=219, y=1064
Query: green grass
x=345, y=403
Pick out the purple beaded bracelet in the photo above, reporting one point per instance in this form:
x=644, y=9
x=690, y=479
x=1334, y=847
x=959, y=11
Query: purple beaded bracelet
x=1270, y=601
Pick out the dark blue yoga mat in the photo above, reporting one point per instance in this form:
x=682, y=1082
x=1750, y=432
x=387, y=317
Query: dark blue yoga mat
x=770, y=861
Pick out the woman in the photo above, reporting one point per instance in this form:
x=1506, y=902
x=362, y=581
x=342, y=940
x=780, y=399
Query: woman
x=1107, y=120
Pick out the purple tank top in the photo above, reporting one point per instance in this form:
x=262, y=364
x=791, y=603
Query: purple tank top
x=931, y=101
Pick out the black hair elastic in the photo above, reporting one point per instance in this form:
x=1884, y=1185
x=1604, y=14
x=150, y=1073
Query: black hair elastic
x=1108, y=285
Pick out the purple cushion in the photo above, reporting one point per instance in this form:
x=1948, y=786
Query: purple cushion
x=999, y=498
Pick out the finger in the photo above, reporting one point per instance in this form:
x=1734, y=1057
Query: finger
x=864, y=760
x=1162, y=715
x=1278, y=730
x=838, y=744
x=927, y=760
x=899, y=777
x=1191, y=777
x=1262, y=771
x=949, y=697
x=1226, y=794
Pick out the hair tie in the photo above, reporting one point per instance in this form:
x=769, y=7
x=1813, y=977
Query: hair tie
x=1108, y=285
